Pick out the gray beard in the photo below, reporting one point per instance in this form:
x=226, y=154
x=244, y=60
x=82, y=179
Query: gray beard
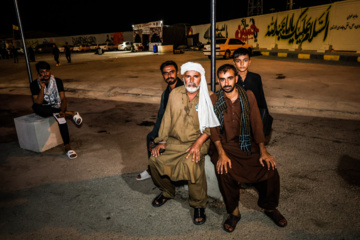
x=192, y=89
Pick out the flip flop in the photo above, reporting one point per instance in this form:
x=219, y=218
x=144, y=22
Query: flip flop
x=160, y=199
x=142, y=176
x=231, y=221
x=199, y=213
x=71, y=154
x=276, y=216
x=77, y=119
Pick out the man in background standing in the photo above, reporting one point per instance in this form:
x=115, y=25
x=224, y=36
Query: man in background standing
x=67, y=52
x=252, y=81
x=56, y=53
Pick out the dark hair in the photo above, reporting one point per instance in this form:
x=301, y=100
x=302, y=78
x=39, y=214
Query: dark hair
x=241, y=52
x=42, y=65
x=225, y=68
x=168, y=63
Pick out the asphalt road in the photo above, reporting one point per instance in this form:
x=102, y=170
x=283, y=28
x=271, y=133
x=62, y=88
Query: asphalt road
x=47, y=196
x=298, y=87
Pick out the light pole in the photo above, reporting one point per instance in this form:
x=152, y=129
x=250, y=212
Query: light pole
x=213, y=44
x=23, y=41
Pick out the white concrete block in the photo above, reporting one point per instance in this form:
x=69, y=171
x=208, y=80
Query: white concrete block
x=212, y=182
x=36, y=133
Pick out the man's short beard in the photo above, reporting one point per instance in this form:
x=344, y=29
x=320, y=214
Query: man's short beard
x=190, y=87
x=171, y=82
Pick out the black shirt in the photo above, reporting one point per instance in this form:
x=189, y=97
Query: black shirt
x=253, y=82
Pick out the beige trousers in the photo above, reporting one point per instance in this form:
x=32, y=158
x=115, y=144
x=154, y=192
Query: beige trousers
x=197, y=190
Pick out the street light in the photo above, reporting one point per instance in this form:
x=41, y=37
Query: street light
x=23, y=41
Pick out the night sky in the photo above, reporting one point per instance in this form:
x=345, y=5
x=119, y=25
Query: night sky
x=76, y=17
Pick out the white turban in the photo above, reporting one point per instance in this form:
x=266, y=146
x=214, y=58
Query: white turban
x=207, y=117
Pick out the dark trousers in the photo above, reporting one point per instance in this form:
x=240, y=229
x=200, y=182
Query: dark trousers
x=269, y=191
x=47, y=111
x=56, y=59
x=68, y=57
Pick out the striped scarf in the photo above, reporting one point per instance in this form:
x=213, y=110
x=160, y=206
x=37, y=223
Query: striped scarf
x=219, y=109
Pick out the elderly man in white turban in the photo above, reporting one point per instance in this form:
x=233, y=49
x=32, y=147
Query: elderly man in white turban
x=183, y=141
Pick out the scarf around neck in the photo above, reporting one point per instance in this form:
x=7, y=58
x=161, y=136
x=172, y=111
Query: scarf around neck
x=219, y=109
x=51, y=93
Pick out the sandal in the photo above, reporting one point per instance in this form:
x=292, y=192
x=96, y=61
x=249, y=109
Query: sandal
x=231, y=222
x=160, y=199
x=276, y=216
x=144, y=175
x=199, y=213
x=77, y=119
x=71, y=154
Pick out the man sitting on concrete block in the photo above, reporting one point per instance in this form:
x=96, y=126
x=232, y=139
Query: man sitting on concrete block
x=238, y=151
x=49, y=100
x=183, y=136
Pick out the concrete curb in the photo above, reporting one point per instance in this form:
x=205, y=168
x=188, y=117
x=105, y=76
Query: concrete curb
x=343, y=57
x=305, y=107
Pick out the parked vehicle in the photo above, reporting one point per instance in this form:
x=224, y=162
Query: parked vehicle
x=138, y=47
x=84, y=48
x=44, y=48
x=112, y=47
x=125, y=46
x=76, y=48
x=93, y=47
x=81, y=48
x=225, y=47
x=62, y=48
x=104, y=46
x=108, y=47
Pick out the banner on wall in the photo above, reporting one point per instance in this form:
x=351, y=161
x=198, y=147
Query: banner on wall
x=332, y=26
x=146, y=27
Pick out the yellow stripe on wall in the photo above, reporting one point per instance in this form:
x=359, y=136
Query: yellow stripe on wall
x=303, y=56
x=332, y=57
x=265, y=53
x=282, y=54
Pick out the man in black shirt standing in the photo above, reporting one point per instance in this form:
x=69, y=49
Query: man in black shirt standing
x=56, y=53
x=49, y=100
x=67, y=52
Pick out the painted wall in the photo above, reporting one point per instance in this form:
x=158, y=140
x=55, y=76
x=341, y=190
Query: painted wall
x=344, y=28
x=114, y=38
x=314, y=28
